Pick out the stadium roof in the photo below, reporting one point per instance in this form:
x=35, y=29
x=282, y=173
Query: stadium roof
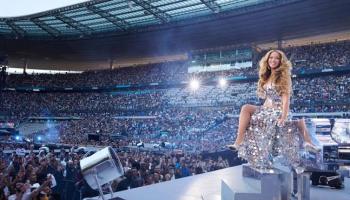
x=99, y=18
x=78, y=49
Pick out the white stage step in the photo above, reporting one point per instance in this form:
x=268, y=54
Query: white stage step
x=208, y=187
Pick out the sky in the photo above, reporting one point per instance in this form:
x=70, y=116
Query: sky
x=16, y=8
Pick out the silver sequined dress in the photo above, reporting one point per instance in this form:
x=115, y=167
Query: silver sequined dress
x=265, y=141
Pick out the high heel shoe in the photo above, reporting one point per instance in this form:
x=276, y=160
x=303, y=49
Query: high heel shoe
x=233, y=147
x=311, y=147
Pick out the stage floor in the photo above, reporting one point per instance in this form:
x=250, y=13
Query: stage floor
x=208, y=187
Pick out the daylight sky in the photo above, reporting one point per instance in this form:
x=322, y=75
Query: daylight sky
x=15, y=8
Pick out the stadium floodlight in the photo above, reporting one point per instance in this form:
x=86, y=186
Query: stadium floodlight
x=222, y=82
x=194, y=84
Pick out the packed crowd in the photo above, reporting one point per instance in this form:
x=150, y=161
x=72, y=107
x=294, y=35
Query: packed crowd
x=46, y=104
x=315, y=56
x=322, y=94
x=308, y=56
x=188, y=130
x=177, y=115
x=320, y=55
x=201, y=121
x=308, y=96
x=121, y=76
x=50, y=175
x=184, y=118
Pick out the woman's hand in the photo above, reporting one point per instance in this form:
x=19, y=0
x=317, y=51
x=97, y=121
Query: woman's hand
x=285, y=109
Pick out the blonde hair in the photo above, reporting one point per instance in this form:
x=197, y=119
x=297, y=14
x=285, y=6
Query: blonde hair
x=281, y=78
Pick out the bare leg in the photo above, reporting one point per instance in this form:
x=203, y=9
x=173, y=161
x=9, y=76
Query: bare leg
x=307, y=140
x=247, y=111
x=302, y=127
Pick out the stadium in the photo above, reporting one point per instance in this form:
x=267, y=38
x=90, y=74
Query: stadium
x=138, y=99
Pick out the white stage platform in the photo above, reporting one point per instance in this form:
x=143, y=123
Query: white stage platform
x=208, y=187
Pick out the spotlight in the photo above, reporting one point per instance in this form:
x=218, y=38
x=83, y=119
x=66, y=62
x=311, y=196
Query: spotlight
x=102, y=168
x=222, y=82
x=194, y=84
x=17, y=137
x=39, y=138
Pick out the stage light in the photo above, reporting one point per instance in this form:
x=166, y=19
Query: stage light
x=222, y=82
x=194, y=84
x=17, y=137
x=39, y=138
x=101, y=168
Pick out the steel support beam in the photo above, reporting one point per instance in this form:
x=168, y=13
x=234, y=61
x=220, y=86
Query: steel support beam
x=122, y=24
x=163, y=16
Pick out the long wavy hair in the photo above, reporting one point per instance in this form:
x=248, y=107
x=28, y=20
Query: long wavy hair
x=281, y=79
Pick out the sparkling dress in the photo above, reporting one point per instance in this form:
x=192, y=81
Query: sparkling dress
x=265, y=141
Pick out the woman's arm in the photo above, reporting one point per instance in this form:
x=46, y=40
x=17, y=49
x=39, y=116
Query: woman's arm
x=285, y=108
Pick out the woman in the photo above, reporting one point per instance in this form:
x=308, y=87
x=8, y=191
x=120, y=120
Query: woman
x=267, y=131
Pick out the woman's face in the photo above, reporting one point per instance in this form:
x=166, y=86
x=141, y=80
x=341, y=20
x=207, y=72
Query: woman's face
x=274, y=60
